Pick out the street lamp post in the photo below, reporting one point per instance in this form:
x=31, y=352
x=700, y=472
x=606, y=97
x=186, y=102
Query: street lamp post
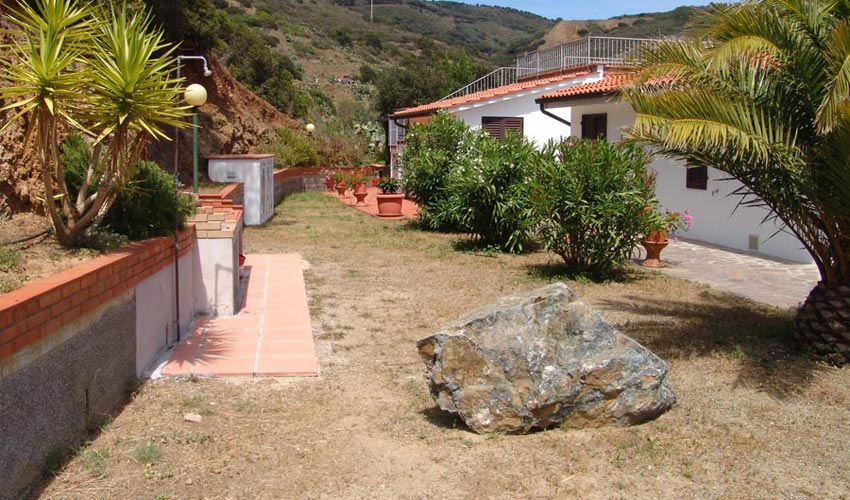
x=207, y=72
x=195, y=95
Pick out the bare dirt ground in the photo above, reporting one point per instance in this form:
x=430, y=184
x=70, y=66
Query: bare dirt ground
x=35, y=258
x=755, y=418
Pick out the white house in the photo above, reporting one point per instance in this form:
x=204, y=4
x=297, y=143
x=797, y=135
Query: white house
x=570, y=91
x=505, y=107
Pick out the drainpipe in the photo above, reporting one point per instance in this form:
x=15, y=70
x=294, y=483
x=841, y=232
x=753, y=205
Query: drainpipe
x=552, y=115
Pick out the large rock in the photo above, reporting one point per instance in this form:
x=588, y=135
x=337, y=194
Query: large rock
x=537, y=359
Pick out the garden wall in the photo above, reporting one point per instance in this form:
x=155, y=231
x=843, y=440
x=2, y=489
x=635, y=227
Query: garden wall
x=73, y=343
x=297, y=180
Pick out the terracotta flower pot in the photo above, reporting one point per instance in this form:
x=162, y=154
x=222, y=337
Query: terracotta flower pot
x=329, y=184
x=360, y=192
x=340, y=188
x=657, y=236
x=653, y=252
x=389, y=205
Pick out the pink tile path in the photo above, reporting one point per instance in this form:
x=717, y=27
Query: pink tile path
x=270, y=336
x=409, y=209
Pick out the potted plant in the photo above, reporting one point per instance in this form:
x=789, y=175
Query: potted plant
x=358, y=179
x=328, y=175
x=659, y=225
x=390, y=200
x=338, y=178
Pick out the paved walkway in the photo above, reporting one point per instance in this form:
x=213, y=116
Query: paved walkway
x=780, y=283
x=408, y=208
x=270, y=336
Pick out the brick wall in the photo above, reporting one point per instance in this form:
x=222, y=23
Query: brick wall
x=30, y=313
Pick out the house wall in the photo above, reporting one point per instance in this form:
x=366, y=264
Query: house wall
x=717, y=219
x=536, y=126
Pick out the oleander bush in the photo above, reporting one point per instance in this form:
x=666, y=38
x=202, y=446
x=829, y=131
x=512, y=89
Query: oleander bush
x=431, y=152
x=590, y=201
x=487, y=193
x=585, y=201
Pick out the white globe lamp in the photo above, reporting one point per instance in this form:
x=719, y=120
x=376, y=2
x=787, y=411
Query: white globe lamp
x=195, y=95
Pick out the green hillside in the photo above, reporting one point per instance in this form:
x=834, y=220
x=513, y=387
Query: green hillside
x=309, y=57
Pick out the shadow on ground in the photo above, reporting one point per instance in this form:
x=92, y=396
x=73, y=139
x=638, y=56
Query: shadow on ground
x=444, y=419
x=727, y=326
x=560, y=271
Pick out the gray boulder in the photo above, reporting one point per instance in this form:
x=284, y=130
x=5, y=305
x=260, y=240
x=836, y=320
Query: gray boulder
x=541, y=358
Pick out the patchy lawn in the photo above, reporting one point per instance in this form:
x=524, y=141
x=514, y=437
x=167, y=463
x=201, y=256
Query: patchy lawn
x=755, y=418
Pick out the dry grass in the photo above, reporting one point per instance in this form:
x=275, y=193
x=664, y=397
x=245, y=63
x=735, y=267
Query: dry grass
x=755, y=419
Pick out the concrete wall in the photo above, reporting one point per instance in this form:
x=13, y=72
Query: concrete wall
x=256, y=173
x=155, y=310
x=47, y=406
x=71, y=344
x=219, y=276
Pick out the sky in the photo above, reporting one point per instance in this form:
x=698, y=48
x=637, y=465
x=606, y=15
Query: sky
x=588, y=9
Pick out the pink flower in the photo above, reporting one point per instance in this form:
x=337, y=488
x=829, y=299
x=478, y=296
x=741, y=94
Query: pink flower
x=570, y=144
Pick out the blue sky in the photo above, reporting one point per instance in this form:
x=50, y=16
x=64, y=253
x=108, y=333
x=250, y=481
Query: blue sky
x=588, y=9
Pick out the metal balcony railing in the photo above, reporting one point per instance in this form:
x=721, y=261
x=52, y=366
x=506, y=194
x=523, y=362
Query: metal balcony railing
x=496, y=78
x=584, y=52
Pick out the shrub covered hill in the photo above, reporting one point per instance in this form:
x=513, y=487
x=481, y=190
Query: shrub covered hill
x=337, y=63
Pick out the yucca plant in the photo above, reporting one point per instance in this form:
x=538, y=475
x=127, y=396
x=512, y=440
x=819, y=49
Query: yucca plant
x=103, y=72
x=761, y=91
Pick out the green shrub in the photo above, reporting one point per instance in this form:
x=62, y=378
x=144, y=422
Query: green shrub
x=590, y=199
x=430, y=153
x=487, y=195
x=291, y=149
x=145, y=208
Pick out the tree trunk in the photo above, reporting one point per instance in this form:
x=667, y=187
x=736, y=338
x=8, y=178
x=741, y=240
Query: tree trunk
x=823, y=322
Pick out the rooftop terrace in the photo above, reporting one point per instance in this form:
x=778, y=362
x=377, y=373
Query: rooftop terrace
x=589, y=51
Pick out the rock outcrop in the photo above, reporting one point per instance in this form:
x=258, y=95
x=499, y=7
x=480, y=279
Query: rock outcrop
x=541, y=358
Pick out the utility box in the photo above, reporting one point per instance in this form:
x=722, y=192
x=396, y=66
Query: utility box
x=256, y=172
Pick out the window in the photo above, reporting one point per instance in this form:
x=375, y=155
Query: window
x=397, y=131
x=697, y=177
x=594, y=127
x=498, y=127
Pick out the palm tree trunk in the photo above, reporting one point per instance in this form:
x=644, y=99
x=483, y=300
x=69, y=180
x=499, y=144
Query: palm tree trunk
x=823, y=322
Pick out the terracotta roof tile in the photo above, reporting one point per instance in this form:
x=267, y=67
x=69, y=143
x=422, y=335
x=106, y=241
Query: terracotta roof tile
x=609, y=83
x=485, y=94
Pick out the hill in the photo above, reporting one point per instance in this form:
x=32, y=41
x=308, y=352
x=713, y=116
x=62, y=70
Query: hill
x=649, y=25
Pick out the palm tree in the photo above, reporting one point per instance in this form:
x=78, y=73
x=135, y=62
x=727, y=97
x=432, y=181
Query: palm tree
x=761, y=91
x=102, y=72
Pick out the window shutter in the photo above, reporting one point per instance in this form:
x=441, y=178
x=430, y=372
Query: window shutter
x=498, y=126
x=514, y=124
x=493, y=127
x=697, y=177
